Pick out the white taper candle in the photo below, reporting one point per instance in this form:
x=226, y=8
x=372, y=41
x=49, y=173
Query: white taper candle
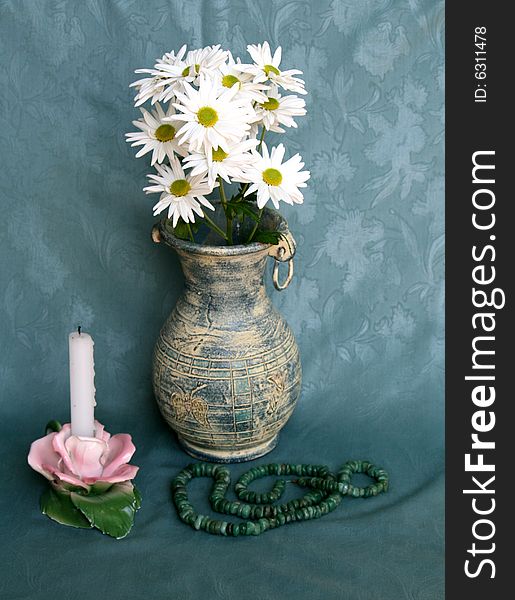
x=82, y=384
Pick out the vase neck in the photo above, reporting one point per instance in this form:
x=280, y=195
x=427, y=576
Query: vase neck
x=233, y=276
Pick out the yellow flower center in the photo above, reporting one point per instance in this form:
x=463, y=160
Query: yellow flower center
x=180, y=187
x=271, y=69
x=271, y=104
x=207, y=116
x=165, y=132
x=219, y=155
x=196, y=70
x=229, y=80
x=272, y=177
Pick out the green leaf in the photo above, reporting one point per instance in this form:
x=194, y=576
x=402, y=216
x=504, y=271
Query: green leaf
x=243, y=207
x=59, y=507
x=100, y=487
x=112, y=512
x=252, y=198
x=267, y=237
x=52, y=426
x=246, y=210
x=181, y=230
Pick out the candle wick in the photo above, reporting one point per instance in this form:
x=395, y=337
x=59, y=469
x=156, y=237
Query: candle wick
x=79, y=328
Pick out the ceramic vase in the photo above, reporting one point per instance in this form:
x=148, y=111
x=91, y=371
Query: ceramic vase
x=226, y=367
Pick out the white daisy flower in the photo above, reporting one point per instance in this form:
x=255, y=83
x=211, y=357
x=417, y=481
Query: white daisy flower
x=279, y=109
x=267, y=67
x=273, y=179
x=231, y=74
x=181, y=194
x=168, y=73
x=157, y=135
x=215, y=117
x=217, y=162
x=172, y=70
x=205, y=60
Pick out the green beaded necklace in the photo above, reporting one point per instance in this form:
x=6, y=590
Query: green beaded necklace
x=326, y=492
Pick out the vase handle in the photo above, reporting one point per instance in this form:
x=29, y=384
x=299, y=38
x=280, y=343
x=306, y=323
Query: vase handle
x=284, y=251
x=156, y=234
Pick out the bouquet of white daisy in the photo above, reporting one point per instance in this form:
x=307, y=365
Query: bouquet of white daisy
x=206, y=126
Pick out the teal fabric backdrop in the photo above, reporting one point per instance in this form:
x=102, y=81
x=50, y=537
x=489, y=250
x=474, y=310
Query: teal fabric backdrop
x=366, y=303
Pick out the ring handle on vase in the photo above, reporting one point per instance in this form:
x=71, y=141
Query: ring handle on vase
x=156, y=234
x=284, y=251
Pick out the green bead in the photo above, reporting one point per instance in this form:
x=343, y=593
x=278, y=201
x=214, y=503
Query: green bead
x=268, y=511
x=249, y=528
x=217, y=526
x=191, y=518
x=264, y=524
x=331, y=504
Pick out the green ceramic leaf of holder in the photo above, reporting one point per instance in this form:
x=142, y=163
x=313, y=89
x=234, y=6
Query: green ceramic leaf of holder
x=58, y=506
x=111, y=512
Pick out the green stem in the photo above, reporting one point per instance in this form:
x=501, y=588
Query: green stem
x=245, y=187
x=242, y=191
x=214, y=226
x=190, y=233
x=223, y=199
x=261, y=138
x=254, y=229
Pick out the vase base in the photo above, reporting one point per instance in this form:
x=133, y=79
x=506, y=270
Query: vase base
x=229, y=456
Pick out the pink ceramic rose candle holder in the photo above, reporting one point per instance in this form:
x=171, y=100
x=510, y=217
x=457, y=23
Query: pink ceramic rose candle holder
x=90, y=478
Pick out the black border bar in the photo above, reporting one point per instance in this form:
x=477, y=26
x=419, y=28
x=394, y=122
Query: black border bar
x=479, y=126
